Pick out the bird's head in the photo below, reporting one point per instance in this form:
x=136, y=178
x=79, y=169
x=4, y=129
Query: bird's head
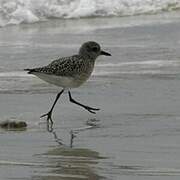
x=92, y=50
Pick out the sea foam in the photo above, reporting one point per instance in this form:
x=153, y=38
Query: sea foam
x=30, y=11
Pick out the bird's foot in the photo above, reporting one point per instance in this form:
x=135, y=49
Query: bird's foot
x=49, y=121
x=49, y=117
x=91, y=110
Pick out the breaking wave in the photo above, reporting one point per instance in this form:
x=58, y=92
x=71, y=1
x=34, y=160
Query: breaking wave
x=30, y=11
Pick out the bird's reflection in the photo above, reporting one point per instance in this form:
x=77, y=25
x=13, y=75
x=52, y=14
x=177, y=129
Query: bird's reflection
x=69, y=163
x=90, y=124
x=51, y=130
x=64, y=162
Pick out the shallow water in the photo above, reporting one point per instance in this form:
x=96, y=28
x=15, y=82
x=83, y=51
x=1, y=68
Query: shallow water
x=137, y=90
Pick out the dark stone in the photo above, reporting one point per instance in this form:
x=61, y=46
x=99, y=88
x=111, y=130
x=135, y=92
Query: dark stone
x=13, y=124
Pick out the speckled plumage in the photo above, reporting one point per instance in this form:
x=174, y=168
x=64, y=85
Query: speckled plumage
x=72, y=71
x=66, y=66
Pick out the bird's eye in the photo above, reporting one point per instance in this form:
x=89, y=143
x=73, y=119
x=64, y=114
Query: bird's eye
x=95, y=49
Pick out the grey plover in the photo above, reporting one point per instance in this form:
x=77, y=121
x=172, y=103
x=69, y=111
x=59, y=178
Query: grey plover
x=70, y=72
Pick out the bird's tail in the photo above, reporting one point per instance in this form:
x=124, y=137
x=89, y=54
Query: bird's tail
x=29, y=70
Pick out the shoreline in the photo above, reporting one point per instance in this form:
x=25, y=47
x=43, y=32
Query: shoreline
x=138, y=132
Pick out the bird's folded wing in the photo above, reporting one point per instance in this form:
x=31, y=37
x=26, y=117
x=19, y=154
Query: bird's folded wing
x=67, y=66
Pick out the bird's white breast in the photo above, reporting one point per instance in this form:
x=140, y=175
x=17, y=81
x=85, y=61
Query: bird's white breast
x=62, y=81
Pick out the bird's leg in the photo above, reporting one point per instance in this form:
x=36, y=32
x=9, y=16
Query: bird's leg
x=90, y=109
x=49, y=114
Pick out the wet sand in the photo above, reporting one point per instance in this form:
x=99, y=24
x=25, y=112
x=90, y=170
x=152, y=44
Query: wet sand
x=137, y=91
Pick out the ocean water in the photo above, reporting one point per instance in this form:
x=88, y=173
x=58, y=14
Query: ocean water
x=137, y=90
x=30, y=11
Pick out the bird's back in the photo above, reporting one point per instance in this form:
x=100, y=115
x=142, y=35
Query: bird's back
x=66, y=66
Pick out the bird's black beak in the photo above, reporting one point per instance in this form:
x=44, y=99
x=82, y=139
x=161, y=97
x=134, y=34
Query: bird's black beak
x=105, y=53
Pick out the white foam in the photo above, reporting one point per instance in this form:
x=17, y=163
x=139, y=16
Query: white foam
x=150, y=63
x=30, y=11
x=137, y=67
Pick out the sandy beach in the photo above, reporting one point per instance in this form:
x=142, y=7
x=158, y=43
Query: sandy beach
x=137, y=90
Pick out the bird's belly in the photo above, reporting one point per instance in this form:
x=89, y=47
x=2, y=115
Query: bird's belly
x=62, y=81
